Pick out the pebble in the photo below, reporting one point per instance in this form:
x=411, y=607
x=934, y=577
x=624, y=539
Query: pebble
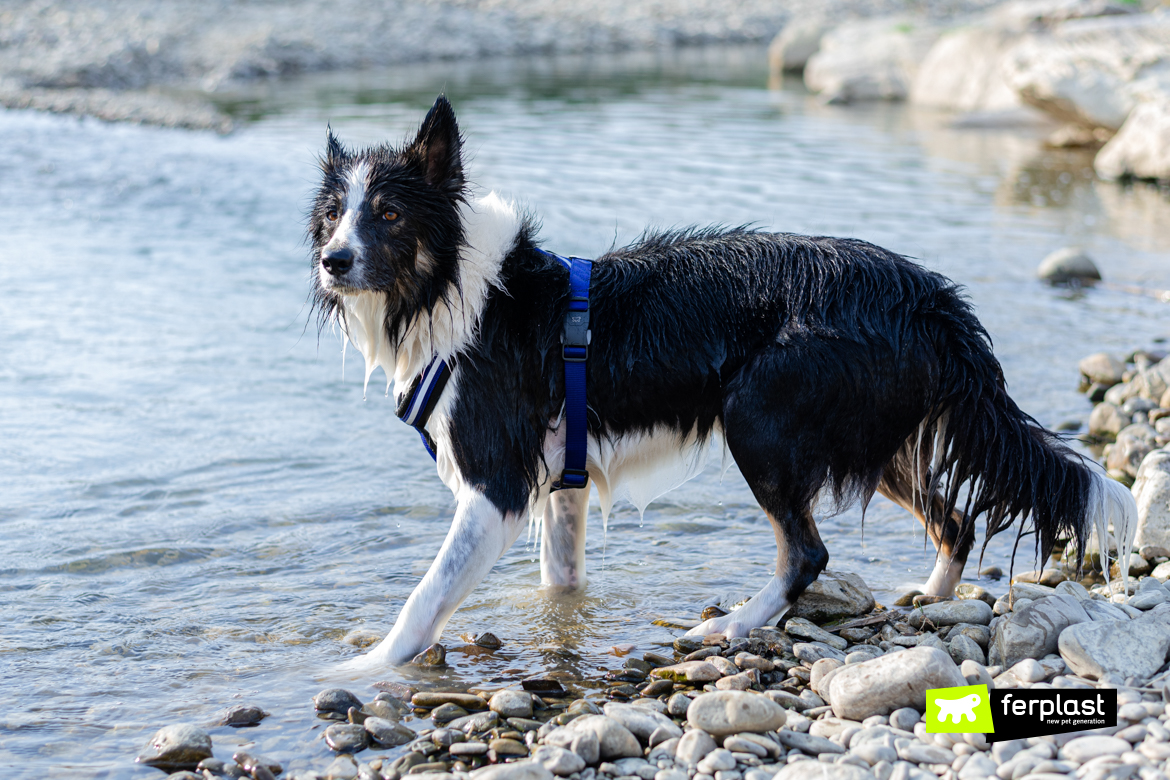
x=815, y=770
x=240, y=715
x=689, y=671
x=1033, y=632
x=472, y=748
x=508, y=747
x=446, y=713
x=891, y=682
x=335, y=700
x=342, y=768
x=833, y=595
x=642, y=722
x=1082, y=749
x=430, y=699
x=613, y=739
x=729, y=712
x=520, y=770
x=346, y=737
x=807, y=629
x=176, y=747
x=905, y=718
x=678, y=704
x=962, y=648
x=808, y=743
x=811, y=652
x=694, y=745
x=948, y=613
x=387, y=733
x=718, y=759
x=511, y=704
x=435, y=655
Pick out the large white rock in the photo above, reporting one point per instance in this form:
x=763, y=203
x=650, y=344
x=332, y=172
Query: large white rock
x=641, y=721
x=963, y=71
x=796, y=43
x=1151, y=489
x=891, y=682
x=720, y=713
x=872, y=59
x=1123, y=647
x=1034, y=630
x=1141, y=147
x=1093, y=72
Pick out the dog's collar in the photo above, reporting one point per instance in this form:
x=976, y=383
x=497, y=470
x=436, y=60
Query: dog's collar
x=418, y=402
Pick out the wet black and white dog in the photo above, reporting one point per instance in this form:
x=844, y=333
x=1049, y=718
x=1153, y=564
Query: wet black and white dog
x=826, y=367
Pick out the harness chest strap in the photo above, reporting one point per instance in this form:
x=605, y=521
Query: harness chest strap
x=418, y=402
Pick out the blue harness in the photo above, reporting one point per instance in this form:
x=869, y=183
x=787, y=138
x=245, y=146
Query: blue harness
x=419, y=401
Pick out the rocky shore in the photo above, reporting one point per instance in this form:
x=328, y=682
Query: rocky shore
x=162, y=62
x=1096, y=69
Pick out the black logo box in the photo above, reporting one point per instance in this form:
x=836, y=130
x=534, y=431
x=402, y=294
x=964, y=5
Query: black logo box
x=1018, y=713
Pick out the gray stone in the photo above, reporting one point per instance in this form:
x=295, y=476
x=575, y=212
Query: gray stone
x=519, y=770
x=1133, y=444
x=891, y=682
x=1074, y=589
x=641, y=721
x=905, y=718
x=806, y=629
x=832, y=596
x=388, y=733
x=1125, y=648
x=948, y=613
x=335, y=700
x=511, y=704
x=176, y=747
x=1033, y=632
x=807, y=743
x=1082, y=749
x=729, y=712
x=962, y=648
x=557, y=760
x=1102, y=368
x=1151, y=489
x=689, y=671
x=795, y=44
x=816, y=770
x=1068, y=265
x=342, y=768
x=693, y=746
x=918, y=753
x=346, y=737
x=677, y=705
x=613, y=739
x=1148, y=599
x=811, y=652
x=1106, y=420
x=240, y=715
x=717, y=760
x=1103, y=610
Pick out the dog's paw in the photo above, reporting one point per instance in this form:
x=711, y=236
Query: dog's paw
x=728, y=625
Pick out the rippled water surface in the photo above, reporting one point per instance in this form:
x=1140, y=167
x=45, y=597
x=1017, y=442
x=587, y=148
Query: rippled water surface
x=197, y=503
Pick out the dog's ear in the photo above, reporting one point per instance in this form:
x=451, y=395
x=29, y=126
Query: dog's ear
x=439, y=147
x=334, y=151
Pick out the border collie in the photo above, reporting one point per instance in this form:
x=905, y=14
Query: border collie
x=827, y=368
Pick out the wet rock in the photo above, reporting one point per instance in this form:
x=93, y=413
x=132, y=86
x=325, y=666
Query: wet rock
x=545, y=686
x=729, y=712
x=387, y=733
x=388, y=709
x=892, y=682
x=346, y=737
x=176, y=747
x=751, y=661
x=1033, y=632
x=445, y=713
x=641, y=721
x=689, y=671
x=1124, y=648
x=834, y=595
x=907, y=598
x=239, y=715
x=923, y=599
x=1151, y=489
x=694, y=746
x=688, y=644
x=557, y=760
x=811, y=652
x=342, y=768
x=488, y=641
x=435, y=655
x=469, y=749
x=872, y=59
x=657, y=688
x=991, y=572
x=613, y=739
x=1141, y=148
x=505, y=747
x=795, y=44
x=336, y=700
x=948, y=613
x=962, y=648
x=1067, y=266
x=967, y=590
x=1102, y=368
x=1049, y=578
x=512, y=704
x=806, y=629
x=429, y=699
x=393, y=690
x=519, y=770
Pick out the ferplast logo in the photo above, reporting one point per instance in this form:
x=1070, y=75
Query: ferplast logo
x=962, y=710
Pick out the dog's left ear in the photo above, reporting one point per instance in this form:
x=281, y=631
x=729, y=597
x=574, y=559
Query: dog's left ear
x=439, y=146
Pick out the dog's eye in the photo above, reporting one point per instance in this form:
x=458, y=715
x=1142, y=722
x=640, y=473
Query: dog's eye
x=331, y=215
x=390, y=216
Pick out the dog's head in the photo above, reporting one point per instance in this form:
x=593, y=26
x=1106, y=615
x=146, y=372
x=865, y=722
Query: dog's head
x=386, y=220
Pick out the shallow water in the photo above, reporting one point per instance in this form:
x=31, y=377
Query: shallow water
x=198, y=504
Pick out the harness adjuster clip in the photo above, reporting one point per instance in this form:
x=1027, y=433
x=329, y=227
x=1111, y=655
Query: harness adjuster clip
x=576, y=335
x=573, y=478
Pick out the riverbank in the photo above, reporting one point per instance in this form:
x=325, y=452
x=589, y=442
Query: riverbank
x=162, y=62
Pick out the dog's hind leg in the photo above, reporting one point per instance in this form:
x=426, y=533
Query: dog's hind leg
x=562, y=540
x=952, y=537
x=479, y=535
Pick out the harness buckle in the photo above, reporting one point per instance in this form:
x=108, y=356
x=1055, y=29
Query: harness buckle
x=573, y=478
x=576, y=335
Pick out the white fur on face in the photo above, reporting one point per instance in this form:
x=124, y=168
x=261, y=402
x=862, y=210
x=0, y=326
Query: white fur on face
x=346, y=235
x=490, y=226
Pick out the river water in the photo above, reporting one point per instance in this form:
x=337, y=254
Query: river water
x=197, y=502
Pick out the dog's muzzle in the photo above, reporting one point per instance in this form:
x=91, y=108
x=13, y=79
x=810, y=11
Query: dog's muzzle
x=337, y=262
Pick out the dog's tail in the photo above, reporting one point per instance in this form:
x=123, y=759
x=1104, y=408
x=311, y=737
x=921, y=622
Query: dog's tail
x=977, y=442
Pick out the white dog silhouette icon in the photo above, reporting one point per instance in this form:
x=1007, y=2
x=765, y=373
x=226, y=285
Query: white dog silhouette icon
x=957, y=709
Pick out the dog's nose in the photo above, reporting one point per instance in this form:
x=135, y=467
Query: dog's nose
x=337, y=261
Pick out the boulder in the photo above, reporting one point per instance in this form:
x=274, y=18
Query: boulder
x=891, y=682
x=1067, y=266
x=1141, y=148
x=795, y=44
x=1134, y=443
x=871, y=59
x=176, y=747
x=1034, y=630
x=963, y=71
x=1151, y=489
x=1107, y=420
x=1102, y=368
x=834, y=595
x=720, y=713
x=1093, y=72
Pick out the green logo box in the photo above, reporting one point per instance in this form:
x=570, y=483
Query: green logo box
x=962, y=710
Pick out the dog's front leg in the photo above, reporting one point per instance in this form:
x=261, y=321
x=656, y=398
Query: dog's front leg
x=562, y=539
x=479, y=535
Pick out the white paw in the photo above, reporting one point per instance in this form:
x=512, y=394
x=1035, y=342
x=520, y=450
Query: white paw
x=728, y=625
